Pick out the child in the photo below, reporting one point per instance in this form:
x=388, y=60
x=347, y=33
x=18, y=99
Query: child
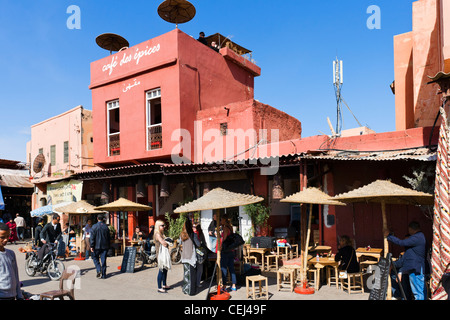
x=9, y=275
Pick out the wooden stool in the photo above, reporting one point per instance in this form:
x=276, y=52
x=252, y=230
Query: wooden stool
x=285, y=253
x=271, y=262
x=332, y=277
x=354, y=283
x=316, y=276
x=290, y=273
x=262, y=291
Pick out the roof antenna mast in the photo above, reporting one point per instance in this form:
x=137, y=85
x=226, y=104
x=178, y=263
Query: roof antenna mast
x=338, y=81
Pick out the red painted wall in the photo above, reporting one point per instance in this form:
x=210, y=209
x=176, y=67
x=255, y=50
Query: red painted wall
x=191, y=76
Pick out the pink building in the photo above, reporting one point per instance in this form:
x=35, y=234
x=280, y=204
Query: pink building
x=65, y=142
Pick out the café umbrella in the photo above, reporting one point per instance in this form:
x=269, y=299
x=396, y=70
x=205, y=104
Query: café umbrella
x=309, y=196
x=217, y=199
x=123, y=204
x=386, y=192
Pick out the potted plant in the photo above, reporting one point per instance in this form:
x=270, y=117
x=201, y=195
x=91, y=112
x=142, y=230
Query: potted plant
x=259, y=215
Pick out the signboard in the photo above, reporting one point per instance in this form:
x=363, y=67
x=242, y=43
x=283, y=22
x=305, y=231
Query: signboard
x=64, y=191
x=381, y=275
x=129, y=256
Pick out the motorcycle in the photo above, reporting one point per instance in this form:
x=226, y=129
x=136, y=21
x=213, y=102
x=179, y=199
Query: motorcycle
x=146, y=254
x=50, y=263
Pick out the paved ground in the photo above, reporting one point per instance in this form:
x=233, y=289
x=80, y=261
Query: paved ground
x=142, y=285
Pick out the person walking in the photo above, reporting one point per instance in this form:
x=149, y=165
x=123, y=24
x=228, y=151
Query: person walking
x=203, y=248
x=20, y=223
x=227, y=257
x=100, y=243
x=37, y=233
x=87, y=239
x=13, y=234
x=189, y=258
x=162, y=256
x=212, y=233
x=413, y=258
x=9, y=274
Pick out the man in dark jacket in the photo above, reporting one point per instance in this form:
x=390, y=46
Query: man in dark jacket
x=49, y=236
x=100, y=242
x=413, y=258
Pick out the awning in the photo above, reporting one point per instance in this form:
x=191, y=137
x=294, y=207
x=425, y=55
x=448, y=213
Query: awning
x=48, y=209
x=2, y=203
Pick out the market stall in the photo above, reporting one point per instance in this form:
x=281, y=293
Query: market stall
x=78, y=213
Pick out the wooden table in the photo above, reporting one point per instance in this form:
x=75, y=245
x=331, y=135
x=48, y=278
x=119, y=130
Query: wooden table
x=320, y=249
x=260, y=251
x=373, y=252
x=321, y=263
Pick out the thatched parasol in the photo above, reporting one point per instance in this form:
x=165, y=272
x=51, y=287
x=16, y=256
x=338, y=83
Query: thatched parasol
x=386, y=192
x=216, y=199
x=312, y=196
x=80, y=207
x=123, y=204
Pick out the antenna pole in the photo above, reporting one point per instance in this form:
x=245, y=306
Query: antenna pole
x=338, y=80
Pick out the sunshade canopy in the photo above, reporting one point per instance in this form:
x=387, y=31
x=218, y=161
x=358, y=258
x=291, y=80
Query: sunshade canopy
x=388, y=192
x=313, y=196
x=218, y=198
x=79, y=207
x=123, y=204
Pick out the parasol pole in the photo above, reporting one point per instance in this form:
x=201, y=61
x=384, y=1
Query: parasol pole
x=308, y=235
x=218, y=250
x=386, y=244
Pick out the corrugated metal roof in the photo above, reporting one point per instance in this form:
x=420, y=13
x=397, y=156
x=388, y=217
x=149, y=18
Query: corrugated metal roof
x=420, y=154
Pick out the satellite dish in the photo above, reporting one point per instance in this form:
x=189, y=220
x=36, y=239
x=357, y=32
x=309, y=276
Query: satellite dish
x=111, y=42
x=176, y=11
x=38, y=163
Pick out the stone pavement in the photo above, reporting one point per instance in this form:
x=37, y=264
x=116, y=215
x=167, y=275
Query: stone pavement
x=142, y=285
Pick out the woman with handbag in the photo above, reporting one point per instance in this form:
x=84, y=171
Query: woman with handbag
x=227, y=256
x=189, y=258
x=201, y=252
x=162, y=256
x=347, y=256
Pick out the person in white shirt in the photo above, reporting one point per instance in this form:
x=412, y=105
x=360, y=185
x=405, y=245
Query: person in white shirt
x=87, y=238
x=20, y=223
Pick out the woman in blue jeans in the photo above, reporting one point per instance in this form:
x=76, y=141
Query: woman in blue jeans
x=227, y=257
x=159, y=241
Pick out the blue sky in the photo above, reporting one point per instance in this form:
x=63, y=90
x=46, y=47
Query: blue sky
x=45, y=65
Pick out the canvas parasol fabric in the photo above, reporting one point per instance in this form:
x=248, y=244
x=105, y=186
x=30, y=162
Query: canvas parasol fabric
x=123, y=204
x=79, y=207
x=440, y=256
x=311, y=196
x=218, y=198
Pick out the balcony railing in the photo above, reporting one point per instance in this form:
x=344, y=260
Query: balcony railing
x=114, y=144
x=154, y=137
